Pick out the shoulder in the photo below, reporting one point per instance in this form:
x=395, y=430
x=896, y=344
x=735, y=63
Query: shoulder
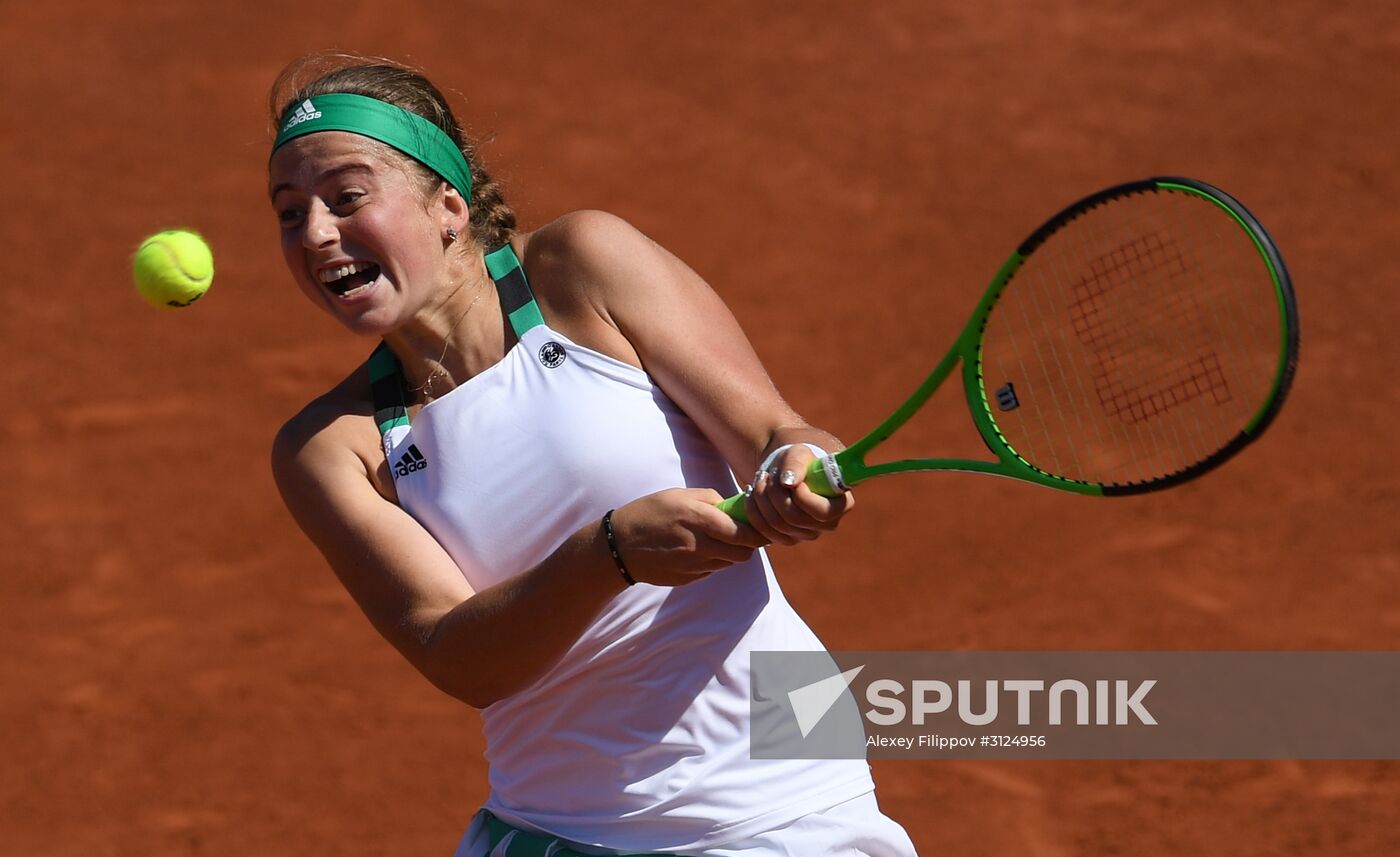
x=332, y=433
x=598, y=261
x=588, y=270
x=590, y=254
x=587, y=238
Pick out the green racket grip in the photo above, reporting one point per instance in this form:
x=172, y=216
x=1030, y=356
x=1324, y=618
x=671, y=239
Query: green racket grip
x=816, y=479
x=734, y=508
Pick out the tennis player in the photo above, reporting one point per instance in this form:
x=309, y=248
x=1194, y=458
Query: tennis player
x=518, y=488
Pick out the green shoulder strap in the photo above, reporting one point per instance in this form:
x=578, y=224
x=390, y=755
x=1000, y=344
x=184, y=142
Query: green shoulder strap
x=519, y=303
x=386, y=383
x=386, y=387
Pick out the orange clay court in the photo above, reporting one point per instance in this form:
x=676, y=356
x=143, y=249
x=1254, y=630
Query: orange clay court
x=182, y=674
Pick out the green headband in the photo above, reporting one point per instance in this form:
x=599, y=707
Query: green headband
x=408, y=132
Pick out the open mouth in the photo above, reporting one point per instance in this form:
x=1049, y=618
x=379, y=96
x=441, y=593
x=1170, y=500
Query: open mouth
x=349, y=280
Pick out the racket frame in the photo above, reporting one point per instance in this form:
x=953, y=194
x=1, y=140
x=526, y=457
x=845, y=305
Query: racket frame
x=846, y=468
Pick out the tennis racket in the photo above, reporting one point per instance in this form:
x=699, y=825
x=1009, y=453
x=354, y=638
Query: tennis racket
x=1138, y=339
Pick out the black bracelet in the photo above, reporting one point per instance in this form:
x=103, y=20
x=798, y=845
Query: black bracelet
x=612, y=546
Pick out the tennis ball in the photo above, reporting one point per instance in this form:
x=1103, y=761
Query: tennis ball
x=173, y=268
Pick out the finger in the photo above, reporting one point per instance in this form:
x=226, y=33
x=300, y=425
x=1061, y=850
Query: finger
x=714, y=550
x=763, y=518
x=791, y=467
x=775, y=505
x=756, y=518
x=824, y=512
x=770, y=534
x=707, y=496
x=721, y=527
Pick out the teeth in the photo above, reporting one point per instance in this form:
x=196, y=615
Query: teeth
x=332, y=274
x=356, y=290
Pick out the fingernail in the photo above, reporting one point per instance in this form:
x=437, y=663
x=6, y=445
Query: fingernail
x=788, y=478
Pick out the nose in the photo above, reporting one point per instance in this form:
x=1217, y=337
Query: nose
x=320, y=229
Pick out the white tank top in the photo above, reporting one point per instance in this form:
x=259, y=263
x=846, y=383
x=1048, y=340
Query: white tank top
x=638, y=738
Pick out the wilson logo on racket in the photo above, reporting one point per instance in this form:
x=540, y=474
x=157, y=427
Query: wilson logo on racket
x=1192, y=370
x=1006, y=397
x=411, y=462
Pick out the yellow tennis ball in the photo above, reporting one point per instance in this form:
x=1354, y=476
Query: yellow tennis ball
x=173, y=268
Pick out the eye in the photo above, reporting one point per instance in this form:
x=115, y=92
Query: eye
x=348, y=198
x=290, y=217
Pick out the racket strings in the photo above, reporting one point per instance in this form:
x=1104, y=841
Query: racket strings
x=1172, y=383
x=1162, y=318
x=1087, y=253
x=1137, y=339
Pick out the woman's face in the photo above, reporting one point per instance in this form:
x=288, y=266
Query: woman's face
x=357, y=234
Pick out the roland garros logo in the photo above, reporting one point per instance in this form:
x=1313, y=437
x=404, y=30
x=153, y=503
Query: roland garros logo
x=552, y=354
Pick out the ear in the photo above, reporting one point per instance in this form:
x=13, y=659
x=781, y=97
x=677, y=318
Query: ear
x=454, y=212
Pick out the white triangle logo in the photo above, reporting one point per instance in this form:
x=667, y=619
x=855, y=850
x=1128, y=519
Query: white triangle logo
x=810, y=703
x=305, y=112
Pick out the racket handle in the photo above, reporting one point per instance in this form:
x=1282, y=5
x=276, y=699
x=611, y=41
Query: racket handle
x=734, y=508
x=816, y=480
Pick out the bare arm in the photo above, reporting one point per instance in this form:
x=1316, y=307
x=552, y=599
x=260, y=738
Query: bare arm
x=483, y=646
x=679, y=330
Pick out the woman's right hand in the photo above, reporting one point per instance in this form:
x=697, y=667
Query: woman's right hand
x=678, y=536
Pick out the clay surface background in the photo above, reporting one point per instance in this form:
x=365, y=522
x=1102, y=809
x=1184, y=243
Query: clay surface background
x=181, y=674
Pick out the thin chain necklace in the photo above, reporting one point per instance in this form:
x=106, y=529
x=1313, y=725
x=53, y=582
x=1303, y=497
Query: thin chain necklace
x=427, y=387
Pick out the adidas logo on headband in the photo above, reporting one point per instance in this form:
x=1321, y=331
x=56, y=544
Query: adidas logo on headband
x=388, y=123
x=305, y=112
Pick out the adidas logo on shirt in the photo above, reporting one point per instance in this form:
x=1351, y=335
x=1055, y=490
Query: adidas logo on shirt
x=412, y=461
x=305, y=112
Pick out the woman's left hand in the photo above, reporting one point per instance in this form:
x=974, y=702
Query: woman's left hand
x=784, y=510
